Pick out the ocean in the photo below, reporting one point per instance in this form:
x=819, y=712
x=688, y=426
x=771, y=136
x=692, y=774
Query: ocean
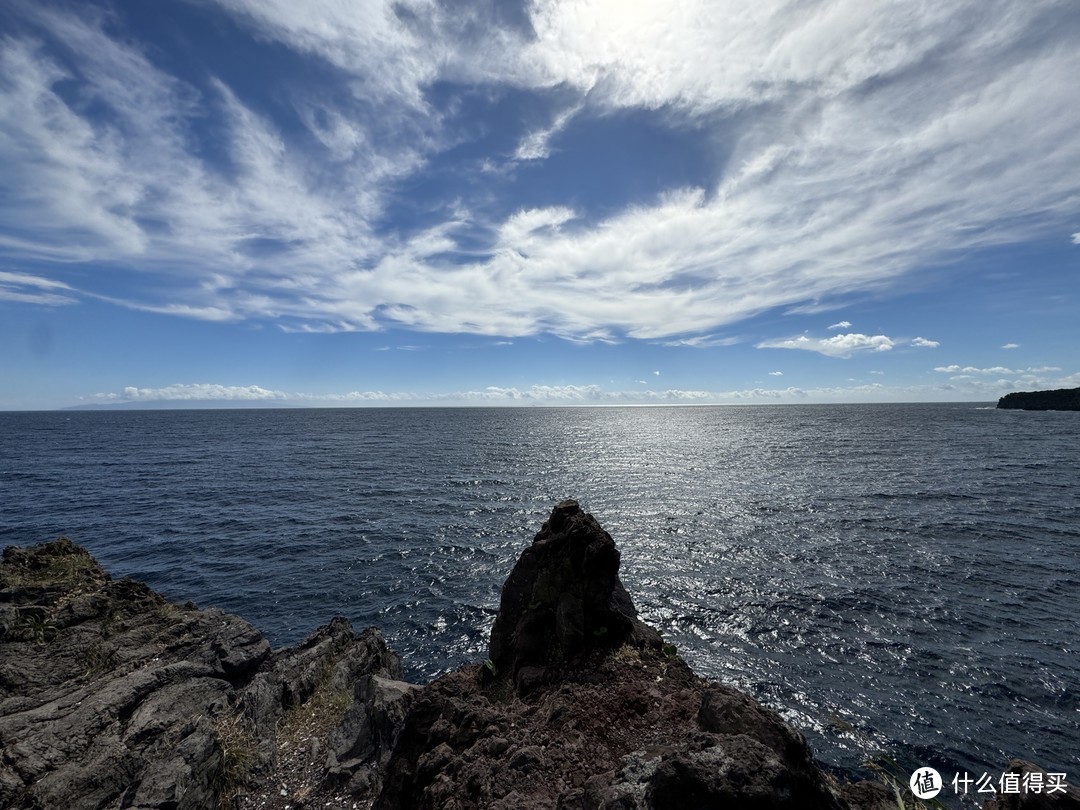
x=895, y=580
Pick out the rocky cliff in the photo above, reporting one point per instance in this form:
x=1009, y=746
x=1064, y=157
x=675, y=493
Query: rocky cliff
x=1061, y=399
x=112, y=697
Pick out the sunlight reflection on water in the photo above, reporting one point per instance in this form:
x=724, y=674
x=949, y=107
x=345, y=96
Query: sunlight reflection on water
x=896, y=578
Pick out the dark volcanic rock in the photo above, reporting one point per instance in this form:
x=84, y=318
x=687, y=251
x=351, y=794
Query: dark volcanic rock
x=361, y=745
x=110, y=696
x=1061, y=399
x=563, y=601
x=580, y=718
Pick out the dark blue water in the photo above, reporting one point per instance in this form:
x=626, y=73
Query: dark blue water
x=895, y=579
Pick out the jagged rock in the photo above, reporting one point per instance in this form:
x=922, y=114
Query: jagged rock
x=362, y=743
x=110, y=696
x=563, y=600
x=581, y=720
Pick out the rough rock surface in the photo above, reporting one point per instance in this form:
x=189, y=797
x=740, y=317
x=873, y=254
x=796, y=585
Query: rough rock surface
x=581, y=706
x=564, y=601
x=110, y=696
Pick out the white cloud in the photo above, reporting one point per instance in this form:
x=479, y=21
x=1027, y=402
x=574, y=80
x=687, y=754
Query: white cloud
x=212, y=392
x=701, y=56
x=519, y=230
x=1076, y=238
x=198, y=391
x=869, y=141
x=76, y=184
x=202, y=313
x=29, y=289
x=836, y=346
x=957, y=369
x=700, y=342
x=924, y=343
x=960, y=388
x=1011, y=346
x=102, y=178
x=537, y=145
x=366, y=40
x=776, y=374
x=493, y=394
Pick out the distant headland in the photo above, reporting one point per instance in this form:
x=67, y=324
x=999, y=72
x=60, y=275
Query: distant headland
x=1061, y=399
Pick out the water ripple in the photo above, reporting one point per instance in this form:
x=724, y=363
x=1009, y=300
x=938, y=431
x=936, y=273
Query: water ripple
x=898, y=579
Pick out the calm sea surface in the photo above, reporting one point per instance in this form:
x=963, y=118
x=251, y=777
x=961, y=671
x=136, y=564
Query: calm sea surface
x=895, y=579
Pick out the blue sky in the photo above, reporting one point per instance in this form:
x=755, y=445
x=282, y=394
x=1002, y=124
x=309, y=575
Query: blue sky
x=592, y=202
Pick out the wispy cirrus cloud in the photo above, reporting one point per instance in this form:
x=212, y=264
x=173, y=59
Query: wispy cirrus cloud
x=700, y=342
x=536, y=145
x=29, y=289
x=858, y=145
x=368, y=40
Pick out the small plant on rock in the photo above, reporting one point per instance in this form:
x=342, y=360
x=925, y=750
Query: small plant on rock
x=238, y=752
x=97, y=658
x=36, y=628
